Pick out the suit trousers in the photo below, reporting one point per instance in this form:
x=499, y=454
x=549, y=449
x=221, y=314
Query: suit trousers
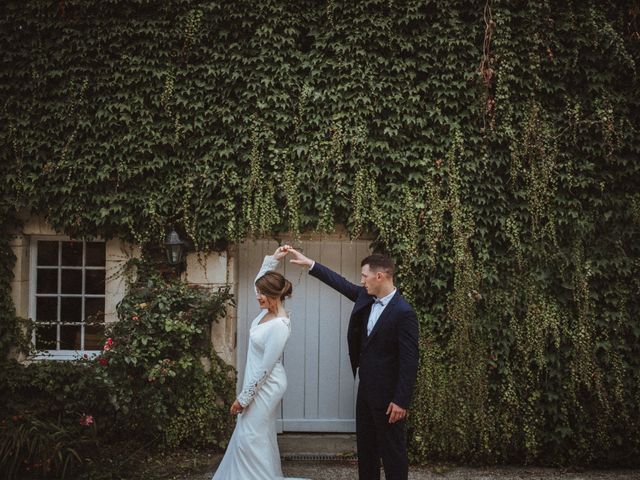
x=377, y=439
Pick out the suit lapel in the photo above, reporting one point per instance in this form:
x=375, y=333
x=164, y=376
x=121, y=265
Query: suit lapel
x=384, y=316
x=361, y=306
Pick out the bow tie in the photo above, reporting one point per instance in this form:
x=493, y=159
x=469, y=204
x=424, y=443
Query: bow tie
x=378, y=301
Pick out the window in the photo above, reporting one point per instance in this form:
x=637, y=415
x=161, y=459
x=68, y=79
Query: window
x=67, y=296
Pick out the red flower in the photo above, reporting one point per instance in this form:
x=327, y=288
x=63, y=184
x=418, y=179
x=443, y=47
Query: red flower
x=103, y=361
x=86, y=420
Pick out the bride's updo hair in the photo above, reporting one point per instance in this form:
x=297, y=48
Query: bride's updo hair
x=274, y=285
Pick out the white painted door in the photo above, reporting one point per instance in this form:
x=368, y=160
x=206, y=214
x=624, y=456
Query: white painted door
x=321, y=390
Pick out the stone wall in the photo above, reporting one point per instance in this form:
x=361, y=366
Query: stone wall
x=214, y=270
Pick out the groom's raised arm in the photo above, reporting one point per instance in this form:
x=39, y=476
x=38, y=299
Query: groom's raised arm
x=326, y=275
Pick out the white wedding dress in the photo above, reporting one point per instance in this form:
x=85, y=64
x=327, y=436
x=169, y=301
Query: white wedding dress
x=253, y=452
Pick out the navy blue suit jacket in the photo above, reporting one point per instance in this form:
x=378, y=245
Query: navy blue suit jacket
x=388, y=358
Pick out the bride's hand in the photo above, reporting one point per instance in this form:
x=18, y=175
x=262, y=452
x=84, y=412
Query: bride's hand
x=281, y=252
x=236, y=408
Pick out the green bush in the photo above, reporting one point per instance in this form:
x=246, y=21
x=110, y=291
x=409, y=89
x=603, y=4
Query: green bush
x=150, y=385
x=155, y=355
x=38, y=448
x=54, y=416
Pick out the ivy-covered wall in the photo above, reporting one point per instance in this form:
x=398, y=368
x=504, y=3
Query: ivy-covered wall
x=491, y=146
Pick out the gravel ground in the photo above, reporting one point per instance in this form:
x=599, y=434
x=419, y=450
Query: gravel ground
x=347, y=470
x=201, y=466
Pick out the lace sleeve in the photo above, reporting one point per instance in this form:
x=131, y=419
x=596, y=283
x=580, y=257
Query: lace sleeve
x=269, y=263
x=276, y=340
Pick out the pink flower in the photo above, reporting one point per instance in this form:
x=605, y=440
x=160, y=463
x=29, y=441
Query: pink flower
x=107, y=346
x=135, y=318
x=86, y=420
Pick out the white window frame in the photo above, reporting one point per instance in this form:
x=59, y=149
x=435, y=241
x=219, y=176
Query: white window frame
x=33, y=263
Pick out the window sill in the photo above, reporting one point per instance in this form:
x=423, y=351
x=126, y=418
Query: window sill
x=64, y=355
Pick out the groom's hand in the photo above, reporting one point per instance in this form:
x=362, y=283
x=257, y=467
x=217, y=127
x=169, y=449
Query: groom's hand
x=395, y=413
x=299, y=259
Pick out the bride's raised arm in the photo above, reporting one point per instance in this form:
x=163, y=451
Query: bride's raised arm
x=271, y=262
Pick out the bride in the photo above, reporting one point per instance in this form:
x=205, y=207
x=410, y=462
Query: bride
x=253, y=452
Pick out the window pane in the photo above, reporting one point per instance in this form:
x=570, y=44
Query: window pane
x=47, y=280
x=47, y=253
x=72, y=254
x=71, y=281
x=46, y=337
x=94, y=310
x=71, y=309
x=93, y=337
x=46, y=309
x=70, y=337
x=94, y=282
x=95, y=254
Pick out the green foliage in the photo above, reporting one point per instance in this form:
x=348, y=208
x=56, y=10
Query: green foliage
x=492, y=148
x=43, y=431
x=14, y=334
x=155, y=358
x=42, y=449
x=203, y=419
x=10, y=333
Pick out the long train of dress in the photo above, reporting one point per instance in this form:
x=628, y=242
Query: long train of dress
x=252, y=453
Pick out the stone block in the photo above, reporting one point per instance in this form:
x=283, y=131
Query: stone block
x=117, y=254
x=206, y=268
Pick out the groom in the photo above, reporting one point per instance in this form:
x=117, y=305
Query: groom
x=383, y=344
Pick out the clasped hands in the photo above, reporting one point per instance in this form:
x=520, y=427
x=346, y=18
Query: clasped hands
x=297, y=257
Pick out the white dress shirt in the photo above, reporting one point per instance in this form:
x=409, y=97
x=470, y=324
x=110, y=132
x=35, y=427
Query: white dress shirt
x=376, y=310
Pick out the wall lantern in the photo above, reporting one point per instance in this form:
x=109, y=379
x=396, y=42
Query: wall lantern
x=174, y=247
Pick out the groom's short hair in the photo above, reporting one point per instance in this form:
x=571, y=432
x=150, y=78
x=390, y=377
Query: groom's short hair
x=379, y=262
